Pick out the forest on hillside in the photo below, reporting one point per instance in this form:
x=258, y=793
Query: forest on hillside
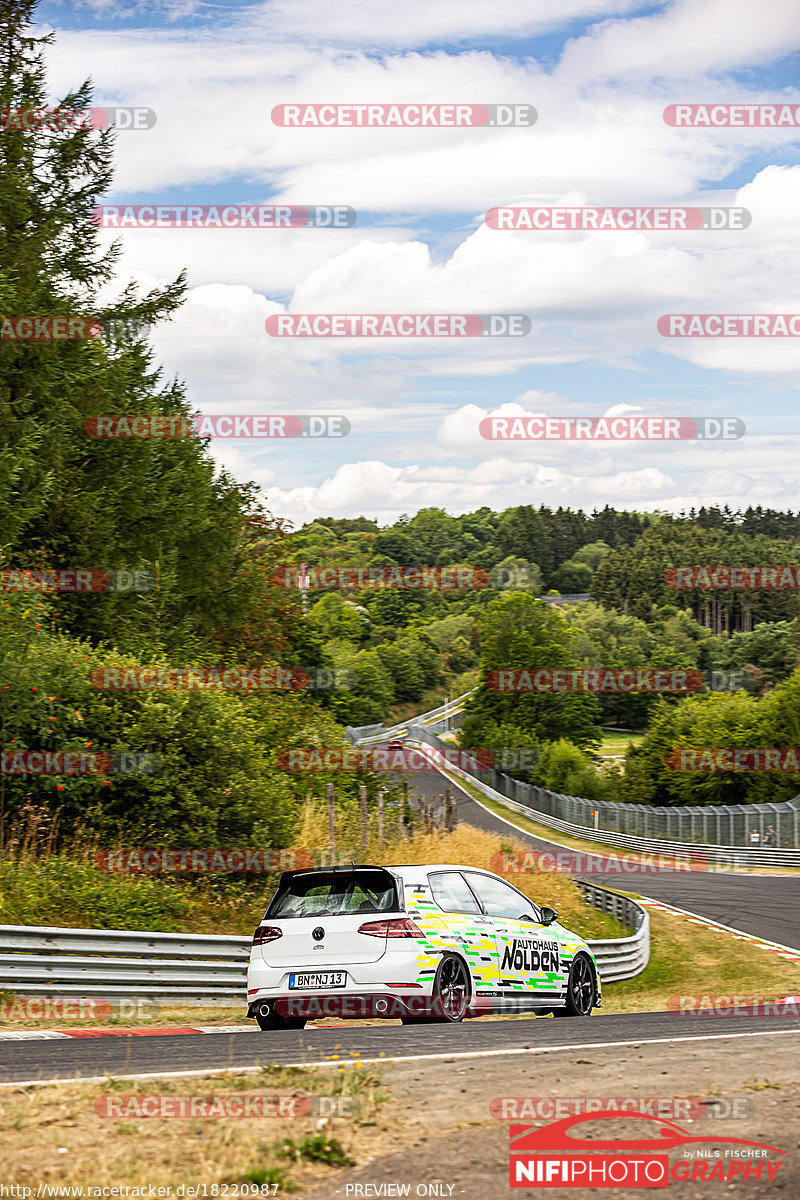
x=409, y=648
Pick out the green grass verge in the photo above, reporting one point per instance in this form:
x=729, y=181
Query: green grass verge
x=688, y=960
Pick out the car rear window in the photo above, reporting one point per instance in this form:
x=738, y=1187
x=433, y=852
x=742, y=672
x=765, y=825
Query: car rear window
x=322, y=894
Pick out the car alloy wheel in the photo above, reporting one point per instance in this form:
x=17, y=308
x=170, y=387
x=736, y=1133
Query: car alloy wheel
x=451, y=990
x=581, y=990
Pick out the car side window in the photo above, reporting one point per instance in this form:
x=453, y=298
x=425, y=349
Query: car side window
x=500, y=900
x=451, y=893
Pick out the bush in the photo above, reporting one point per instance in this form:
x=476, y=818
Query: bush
x=63, y=891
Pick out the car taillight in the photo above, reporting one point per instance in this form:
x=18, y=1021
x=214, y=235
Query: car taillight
x=266, y=933
x=396, y=927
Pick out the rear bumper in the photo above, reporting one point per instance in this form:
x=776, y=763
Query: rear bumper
x=373, y=989
x=379, y=1002
x=401, y=968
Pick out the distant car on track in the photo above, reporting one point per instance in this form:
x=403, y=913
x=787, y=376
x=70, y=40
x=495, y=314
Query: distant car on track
x=422, y=943
x=395, y=744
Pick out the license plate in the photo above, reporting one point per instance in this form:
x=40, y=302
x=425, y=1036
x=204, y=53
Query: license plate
x=320, y=979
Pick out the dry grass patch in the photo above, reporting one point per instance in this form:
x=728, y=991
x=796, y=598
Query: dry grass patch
x=55, y=1135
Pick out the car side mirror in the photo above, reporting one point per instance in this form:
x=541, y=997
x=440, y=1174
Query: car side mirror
x=549, y=915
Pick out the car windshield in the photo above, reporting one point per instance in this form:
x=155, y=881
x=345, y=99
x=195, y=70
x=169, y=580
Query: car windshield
x=325, y=895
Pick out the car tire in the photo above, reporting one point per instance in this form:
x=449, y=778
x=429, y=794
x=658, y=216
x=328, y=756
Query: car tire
x=267, y=1018
x=450, y=995
x=581, y=989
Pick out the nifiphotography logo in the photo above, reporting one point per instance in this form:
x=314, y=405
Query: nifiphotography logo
x=552, y=1156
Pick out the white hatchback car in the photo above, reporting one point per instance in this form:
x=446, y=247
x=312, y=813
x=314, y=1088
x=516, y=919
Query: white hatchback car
x=422, y=943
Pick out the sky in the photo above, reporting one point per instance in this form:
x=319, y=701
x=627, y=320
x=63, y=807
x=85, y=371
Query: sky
x=600, y=74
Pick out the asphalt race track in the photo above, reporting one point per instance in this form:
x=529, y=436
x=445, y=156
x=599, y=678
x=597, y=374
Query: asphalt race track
x=765, y=905
x=167, y=1055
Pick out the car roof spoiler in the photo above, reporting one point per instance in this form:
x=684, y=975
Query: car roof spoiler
x=338, y=868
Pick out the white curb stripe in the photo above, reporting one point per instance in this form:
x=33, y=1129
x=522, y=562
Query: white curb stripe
x=29, y=1035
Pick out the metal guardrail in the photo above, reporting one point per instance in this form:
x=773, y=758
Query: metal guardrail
x=567, y=598
x=364, y=734
x=357, y=732
x=120, y=964
x=539, y=804
x=619, y=958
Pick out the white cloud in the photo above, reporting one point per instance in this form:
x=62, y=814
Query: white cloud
x=420, y=23
x=382, y=490
x=213, y=94
x=686, y=39
x=593, y=298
